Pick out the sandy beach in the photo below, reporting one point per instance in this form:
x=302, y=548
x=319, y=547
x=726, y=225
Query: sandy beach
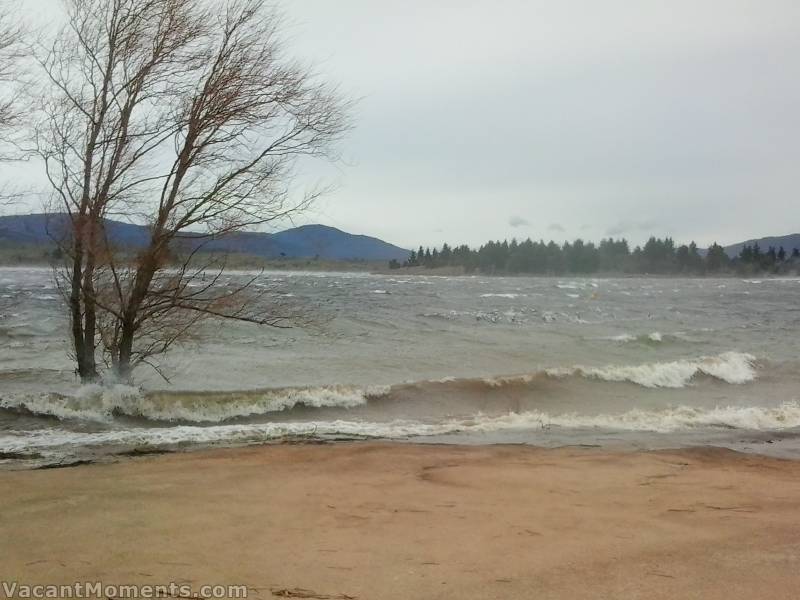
x=384, y=521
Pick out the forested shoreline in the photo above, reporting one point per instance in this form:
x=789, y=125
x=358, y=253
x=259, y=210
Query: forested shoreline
x=656, y=257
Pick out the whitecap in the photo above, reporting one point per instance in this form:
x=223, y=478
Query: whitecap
x=681, y=418
x=730, y=367
x=101, y=403
x=500, y=295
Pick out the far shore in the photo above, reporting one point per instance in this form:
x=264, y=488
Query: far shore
x=38, y=256
x=376, y=268
x=381, y=521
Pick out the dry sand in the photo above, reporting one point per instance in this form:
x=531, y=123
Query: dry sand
x=384, y=521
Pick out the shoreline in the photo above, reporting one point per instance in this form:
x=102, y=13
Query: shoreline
x=779, y=445
x=368, y=268
x=402, y=520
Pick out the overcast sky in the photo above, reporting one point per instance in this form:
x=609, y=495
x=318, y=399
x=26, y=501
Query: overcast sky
x=561, y=118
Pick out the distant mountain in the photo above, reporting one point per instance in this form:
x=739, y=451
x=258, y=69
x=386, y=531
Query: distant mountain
x=307, y=241
x=789, y=243
x=43, y=229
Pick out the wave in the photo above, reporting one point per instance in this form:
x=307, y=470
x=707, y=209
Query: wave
x=682, y=418
x=521, y=315
x=499, y=295
x=104, y=403
x=755, y=418
x=656, y=337
x=731, y=367
x=623, y=338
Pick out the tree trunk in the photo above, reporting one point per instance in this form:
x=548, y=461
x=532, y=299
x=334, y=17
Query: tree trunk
x=122, y=366
x=148, y=265
x=84, y=355
x=89, y=323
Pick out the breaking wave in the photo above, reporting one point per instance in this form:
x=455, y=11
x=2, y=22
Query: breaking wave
x=104, y=403
x=730, y=367
x=510, y=296
x=654, y=338
x=683, y=418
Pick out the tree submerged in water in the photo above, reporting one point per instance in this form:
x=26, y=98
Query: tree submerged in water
x=185, y=115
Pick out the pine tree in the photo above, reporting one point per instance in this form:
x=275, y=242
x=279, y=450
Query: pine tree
x=580, y=257
x=412, y=259
x=746, y=255
x=770, y=258
x=716, y=259
x=446, y=255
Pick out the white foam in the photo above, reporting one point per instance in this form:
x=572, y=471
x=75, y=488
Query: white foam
x=731, y=367
x=511, y=296
x=623, y=337
x=101, y=403
x=682, y=418
x=501, y=381
x=90, y=402
x=655, y=336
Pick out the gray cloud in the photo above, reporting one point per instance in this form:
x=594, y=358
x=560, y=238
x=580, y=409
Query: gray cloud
x=556, y=227
x=619, y=229
x=646, y=227
x=515, y=221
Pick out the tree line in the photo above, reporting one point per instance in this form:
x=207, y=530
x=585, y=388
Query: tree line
x=657, y=256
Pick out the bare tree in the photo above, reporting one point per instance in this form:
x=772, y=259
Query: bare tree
x=185, y=115
x=11, y=53
x=108, y=68
x=12, y=100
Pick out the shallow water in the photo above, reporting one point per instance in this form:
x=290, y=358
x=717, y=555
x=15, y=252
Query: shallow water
x=643, y=362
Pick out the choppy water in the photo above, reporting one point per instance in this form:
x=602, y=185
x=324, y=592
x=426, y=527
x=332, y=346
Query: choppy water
x=648, y=362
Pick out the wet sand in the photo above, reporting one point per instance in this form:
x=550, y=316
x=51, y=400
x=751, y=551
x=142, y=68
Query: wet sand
x=385, y=521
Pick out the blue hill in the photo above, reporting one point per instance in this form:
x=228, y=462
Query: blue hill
x=307, y=241
x=788, y=242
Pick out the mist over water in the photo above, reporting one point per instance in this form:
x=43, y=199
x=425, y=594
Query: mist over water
x=648, y=362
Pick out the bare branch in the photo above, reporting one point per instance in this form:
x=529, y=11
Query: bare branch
x=185, y=115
